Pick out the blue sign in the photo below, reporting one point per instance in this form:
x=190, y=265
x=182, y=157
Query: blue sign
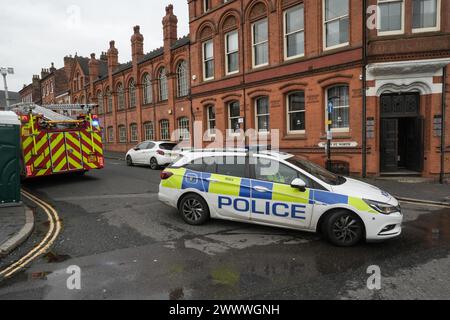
x=330, y=107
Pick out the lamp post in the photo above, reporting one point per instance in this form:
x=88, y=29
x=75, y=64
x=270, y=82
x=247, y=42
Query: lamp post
x=5, y=72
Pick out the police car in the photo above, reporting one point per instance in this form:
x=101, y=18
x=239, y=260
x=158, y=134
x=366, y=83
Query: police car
x=281, y=190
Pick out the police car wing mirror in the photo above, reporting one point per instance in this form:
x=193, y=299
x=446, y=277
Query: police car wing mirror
x=299, y=184
x=137, y=149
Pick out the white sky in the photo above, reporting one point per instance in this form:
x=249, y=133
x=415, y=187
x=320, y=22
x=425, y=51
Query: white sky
x=34, y=33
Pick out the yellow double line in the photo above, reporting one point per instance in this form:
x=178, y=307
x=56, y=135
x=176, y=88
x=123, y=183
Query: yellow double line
x=44, y=245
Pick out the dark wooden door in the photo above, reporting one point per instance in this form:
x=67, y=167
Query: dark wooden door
x=414, y=147
x=389, y=145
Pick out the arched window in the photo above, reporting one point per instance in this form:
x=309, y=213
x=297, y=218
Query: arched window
x=164, y=130
x=234, y=114
x=182, y=79
x=211, y=119
x=83, y=100
x=100, y=103
x=110, y=134
x=339, y=97
x=109, y=106
x=147, y=89
x=162, y=76
x=262, y=114
x=183, y=128
x=132, y=94
x=120, y=97
x=296, y=118
x=122, y=134
x=133, y=132
x=148, y=131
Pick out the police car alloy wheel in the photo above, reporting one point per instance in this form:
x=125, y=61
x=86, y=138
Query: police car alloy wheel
x=344, y=229
x=129, y=161
x=194, y=210
x=154, y=164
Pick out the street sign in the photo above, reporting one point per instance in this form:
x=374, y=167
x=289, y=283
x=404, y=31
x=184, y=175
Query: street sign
x=330, y=107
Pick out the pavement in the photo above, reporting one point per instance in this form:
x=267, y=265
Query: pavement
x=128, y=245
x=114, y=155
x=16, y=224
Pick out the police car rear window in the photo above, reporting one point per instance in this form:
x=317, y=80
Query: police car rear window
x=233, y=166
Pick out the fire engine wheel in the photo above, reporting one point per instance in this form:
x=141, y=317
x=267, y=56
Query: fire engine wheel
x=154, y=164
x=129, y=161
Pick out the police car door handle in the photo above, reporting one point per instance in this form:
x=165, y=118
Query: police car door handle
x=212, y=180
x=261, y=189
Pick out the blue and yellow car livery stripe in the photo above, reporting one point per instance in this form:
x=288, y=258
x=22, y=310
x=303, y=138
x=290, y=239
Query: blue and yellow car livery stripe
x=183, y=179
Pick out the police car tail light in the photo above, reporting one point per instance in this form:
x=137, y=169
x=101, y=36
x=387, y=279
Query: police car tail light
x=166, y=175
x=160, y=152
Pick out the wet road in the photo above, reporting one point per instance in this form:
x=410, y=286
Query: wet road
x=130, y=246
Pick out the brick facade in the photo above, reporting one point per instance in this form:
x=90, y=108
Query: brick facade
x=222, y=62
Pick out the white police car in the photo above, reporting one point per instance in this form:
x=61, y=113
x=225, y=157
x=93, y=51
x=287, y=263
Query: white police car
x=282, y=190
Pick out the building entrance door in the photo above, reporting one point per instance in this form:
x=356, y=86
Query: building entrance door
x=401, y=133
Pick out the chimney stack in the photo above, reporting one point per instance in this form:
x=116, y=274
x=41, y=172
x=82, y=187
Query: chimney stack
x=69, y=65
x=170, y=23
x=113, y=56
x=52, y=68
x=94, y=68
x=137, y=44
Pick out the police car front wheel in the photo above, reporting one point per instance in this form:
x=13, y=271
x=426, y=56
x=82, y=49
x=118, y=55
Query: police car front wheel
x=344, y=229
x=194, y=210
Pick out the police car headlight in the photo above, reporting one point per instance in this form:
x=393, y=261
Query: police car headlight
x=381, y=207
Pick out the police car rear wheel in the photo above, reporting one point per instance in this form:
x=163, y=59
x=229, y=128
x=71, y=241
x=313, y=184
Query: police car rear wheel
x=344, y=229
x=194, y=210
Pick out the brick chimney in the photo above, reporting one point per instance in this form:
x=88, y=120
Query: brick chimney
x=137, y=44
x=104, y=57
x=69, y=65
x=94, y=68
x=113, y=56
x=170, y=22
x=52, y=68
x=44, y=73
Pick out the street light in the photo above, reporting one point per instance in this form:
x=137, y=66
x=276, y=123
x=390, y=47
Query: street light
x=5, y=72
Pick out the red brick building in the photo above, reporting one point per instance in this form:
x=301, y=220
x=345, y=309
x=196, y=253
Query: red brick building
x=32, y=92
x=278, y=64
x=53, y=85
x=146, y=98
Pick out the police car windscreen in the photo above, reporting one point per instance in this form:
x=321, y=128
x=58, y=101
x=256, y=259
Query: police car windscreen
x=317, y=171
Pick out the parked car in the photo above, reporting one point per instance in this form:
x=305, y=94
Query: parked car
x=155, y=154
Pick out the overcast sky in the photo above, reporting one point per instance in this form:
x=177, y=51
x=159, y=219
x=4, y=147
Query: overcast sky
x=36, y=33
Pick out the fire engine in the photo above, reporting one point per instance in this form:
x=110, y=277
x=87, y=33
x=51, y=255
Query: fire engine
x=53, y=143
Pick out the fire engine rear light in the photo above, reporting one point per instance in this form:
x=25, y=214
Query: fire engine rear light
x=29, y=171
x=166, y=175
x=101, y=161
x=160, y=152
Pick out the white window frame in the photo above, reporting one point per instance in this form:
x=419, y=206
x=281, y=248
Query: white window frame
x=122, y=138
x=163, y=87
x=227, y=52
x=254, y=45
x=324, y=27
x=204, y=44
x=133, y=132
x=183, y=129
x=232, y=131
x=338, y=130
x=120, y=97
x=162, y=137
x=394, y=32
x=206, y=7
x=182, y=79
x=288, y=114
x=438, y=20
x=101, y=103
x=211, y=131
x=132, y=94
x=149, y=133
x=148, y=89
x=262, y=115
x=286, y=35
x=109, y=101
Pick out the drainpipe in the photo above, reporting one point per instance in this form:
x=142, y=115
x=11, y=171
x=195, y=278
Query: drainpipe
x=190, y=101
x=243, y=69
x=444, y=94
x=364, y=93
